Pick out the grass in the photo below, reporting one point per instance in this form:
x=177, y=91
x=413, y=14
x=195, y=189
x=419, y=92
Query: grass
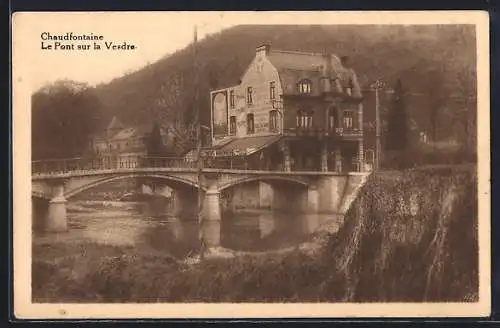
x=409, y=236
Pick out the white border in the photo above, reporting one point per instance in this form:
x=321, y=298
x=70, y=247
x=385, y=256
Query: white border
x=23, y=22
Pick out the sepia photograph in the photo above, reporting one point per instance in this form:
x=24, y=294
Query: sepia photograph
x=251, y=164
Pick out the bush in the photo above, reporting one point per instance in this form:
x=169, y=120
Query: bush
x=411, y=236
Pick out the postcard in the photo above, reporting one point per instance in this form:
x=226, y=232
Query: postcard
x=251, y=164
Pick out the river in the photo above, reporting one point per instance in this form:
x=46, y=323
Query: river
x=146, y=226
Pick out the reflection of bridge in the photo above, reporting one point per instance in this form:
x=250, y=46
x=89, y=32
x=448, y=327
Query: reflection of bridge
x=297, y=191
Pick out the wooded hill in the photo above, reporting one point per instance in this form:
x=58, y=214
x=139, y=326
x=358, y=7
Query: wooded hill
x=436, y=65
x=437, y=60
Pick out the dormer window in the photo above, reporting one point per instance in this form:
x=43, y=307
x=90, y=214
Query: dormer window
x=304, y=86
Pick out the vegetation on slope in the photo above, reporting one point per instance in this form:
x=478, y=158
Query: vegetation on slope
x=63, y=116
x=435, y=63
x=416, y=54
x=409, y=236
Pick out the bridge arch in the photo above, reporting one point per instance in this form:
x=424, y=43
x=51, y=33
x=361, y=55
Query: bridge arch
x=116, y=177
x=267, y=179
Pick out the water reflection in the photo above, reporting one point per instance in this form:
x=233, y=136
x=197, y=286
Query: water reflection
x=152, y=226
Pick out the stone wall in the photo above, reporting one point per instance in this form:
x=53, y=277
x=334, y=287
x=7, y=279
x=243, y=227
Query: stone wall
x=332, y=193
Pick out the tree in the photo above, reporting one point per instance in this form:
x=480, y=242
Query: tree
x=155, y=145
x=437, y=95
x=397, y=121
x=175, y=106
x=465, y=96
x=166, y=88
x=64, y=116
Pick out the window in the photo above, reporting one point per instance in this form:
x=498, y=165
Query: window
x=331, y=119
x=232, y=125
x=249, y=95
x=348, y=119
x=348, y=88
x=304, y=119
x=232, y=99
x=250, y=125
x=272, y=90
x=273, y=121
x=304, y=86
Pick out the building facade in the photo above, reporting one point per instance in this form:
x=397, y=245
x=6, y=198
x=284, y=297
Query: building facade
x=291, y=111
x=120, y=146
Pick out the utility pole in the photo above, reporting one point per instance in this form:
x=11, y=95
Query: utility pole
x=199, y=160
x=378, y=85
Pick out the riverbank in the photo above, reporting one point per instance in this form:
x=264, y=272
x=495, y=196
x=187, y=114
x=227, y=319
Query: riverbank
x=409, y=236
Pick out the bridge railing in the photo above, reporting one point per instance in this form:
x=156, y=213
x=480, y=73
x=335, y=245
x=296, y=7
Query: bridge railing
x=127, y=162
x=158, y=162
x=123, y=162
x=236, y=162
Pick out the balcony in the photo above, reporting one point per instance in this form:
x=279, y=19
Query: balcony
x=349, y=132
x=324, y=132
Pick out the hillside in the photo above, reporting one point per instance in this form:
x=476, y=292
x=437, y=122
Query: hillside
x=437, y=60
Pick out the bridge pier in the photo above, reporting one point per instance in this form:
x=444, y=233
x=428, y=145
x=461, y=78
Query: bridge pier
x=56, y=219
x=312, y=200
x=211, y=218
x=185, y=203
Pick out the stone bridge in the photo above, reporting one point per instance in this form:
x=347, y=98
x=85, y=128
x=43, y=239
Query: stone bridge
x=47, y=185
x=310, y=192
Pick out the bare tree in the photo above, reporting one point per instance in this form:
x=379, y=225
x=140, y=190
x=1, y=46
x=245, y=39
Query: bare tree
x=172, y=106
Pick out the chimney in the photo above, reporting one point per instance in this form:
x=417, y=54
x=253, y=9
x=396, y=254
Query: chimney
x=263, y=50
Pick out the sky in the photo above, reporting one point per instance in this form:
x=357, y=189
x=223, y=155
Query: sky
x=155, y=34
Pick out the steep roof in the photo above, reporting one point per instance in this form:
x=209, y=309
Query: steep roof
x=115, y=124
x=282, y=59
x=137, y=131
x=294, y=65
